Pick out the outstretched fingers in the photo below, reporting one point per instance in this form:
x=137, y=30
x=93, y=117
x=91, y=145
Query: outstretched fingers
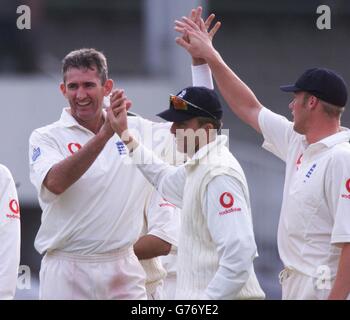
x=198, y=15
x=209, y=21
x=214, y=29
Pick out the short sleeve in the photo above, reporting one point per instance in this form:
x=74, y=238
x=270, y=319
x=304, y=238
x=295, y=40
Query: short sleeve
x=163, y=219
x=43, y=155
x=277, y=132
x=338, y=196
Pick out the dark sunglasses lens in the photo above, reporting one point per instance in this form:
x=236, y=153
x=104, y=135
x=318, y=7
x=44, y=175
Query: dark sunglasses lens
x=178, y=103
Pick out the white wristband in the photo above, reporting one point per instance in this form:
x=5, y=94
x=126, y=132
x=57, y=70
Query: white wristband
x=201, y=76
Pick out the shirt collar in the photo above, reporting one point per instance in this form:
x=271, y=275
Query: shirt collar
x=67, y=120
x=332, y=140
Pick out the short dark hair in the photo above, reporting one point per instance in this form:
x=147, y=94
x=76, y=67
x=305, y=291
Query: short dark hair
x=88, y=59
x=217, y=124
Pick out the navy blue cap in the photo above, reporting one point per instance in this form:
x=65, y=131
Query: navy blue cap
x=322, y=83
x=206, y=100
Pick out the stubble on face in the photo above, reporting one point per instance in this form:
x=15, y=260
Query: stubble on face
x=300, y=112
x=85, y=93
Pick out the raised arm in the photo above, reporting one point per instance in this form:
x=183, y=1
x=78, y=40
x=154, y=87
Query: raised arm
x=66, y=172
x=237, y=94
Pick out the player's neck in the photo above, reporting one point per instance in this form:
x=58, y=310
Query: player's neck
x=94, y=125
x=322, y=130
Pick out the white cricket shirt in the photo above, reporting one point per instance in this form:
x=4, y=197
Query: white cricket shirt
x=315, y=213
x=10, y=235
x=227, y=217
x=103, y=210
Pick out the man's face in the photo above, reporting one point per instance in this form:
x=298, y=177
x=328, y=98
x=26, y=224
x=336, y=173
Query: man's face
x=300, y=112
x=189, y=136
x=85, y=93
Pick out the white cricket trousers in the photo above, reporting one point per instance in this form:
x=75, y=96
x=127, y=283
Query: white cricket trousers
x=116, y=275
x=298, y=286
x=169, y=287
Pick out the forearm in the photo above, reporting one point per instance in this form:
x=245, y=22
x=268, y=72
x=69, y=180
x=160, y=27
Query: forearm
x=237, y=94
x=167, y=179
x=150, y=246
x=341, y=287
x=65, y=173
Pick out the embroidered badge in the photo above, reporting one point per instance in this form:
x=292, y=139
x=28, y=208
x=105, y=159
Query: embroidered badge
x=36, y=153
x=121, y=148
x=14, y=207
x=311, y=170
x=226, y=200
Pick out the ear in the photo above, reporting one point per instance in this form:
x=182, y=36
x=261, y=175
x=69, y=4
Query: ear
x=108, y=86
x=313, y=102
x=63, y=89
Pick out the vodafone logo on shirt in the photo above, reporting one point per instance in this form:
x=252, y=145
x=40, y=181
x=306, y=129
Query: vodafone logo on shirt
x=347, y=186
x=227, y=200
x=73, y=147
x=14, y=208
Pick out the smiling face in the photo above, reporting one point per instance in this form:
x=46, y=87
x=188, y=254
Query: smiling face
x=85, y=92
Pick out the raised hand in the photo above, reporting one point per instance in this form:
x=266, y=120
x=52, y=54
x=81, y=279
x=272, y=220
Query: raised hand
x=185, y=27
x=117, y=112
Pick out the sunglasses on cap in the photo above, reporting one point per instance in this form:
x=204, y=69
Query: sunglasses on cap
x=183, y=105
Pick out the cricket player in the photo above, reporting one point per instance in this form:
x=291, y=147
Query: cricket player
x=216, y=243
x=92, y=201
x=10, y=235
